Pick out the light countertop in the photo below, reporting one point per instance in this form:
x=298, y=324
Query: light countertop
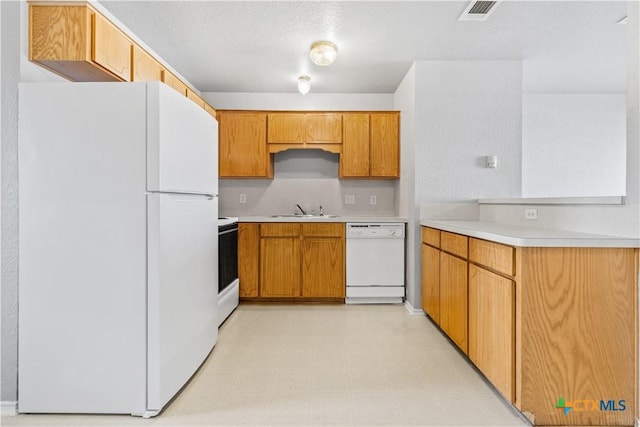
x=343, y=219
x=531, y=237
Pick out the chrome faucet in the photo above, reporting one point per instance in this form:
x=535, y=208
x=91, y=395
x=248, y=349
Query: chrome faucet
x=321, y=211
x=301, y=210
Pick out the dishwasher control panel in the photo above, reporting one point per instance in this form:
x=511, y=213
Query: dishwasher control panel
x=383, y=230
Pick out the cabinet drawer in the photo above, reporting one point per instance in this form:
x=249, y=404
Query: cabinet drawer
x=454, y=243
x=323, y=230
x=431, y=236
x=496, y=256
x=280, y=229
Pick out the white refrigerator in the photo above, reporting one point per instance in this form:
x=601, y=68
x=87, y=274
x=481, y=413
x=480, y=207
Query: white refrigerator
x=118, y=246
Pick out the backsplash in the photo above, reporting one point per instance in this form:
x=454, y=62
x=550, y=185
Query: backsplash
x=308, y=178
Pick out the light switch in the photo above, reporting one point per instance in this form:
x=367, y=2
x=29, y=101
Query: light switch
x=492, y=162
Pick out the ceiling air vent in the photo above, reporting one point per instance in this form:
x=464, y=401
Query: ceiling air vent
x=478, y=10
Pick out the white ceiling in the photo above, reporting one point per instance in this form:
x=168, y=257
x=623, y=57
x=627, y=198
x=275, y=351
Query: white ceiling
x=262, y=46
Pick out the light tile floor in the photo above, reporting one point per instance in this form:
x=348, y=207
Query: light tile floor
x=323, y=365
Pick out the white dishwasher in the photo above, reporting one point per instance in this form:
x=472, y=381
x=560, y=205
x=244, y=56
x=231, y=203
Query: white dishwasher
x=375, y=263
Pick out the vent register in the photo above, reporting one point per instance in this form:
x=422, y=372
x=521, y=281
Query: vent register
x=478, y=10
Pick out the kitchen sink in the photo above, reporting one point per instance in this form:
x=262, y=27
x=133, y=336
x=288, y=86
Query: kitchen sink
x=305, y=216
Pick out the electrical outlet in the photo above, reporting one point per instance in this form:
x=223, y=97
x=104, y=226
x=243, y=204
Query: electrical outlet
x=349, y=199
x=531, y=213
x=373, y=199
x=243, y=198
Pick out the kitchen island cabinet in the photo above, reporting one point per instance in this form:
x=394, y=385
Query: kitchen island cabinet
x=552, y=325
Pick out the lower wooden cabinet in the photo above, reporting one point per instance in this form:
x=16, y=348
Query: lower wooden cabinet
x=323, y=262
x=492, y=328
x=249, y=259
x=453, y=298
x=544, y=323
x=431, y=282
x=292, y=261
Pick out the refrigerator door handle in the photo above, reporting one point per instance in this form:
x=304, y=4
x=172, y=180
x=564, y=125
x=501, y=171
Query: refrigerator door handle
x=185, y=194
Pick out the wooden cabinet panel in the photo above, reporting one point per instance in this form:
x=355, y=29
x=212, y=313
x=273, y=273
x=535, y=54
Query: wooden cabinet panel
x=195, y=98
x=111, y=48
x=385, y=145
x=61, y=41
x=454, y=243
x=243, y=145
x=280, y=229
x=354, y=158
x=279, y=266
x=323, y=229
x=492, y=328
x=144, y=67
x=431, y=236
x=323, y=128
x=248, y=258
x=579, y=333
x=323, y=267
x=209, y=109
x=172, y=81
x=493, y=255
x=453, y=299
x=431, y=282
x=286, y=128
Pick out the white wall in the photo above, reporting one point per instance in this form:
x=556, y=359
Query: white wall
x=462, y=112
x=573, y=145
x=466, y=110
x=307, y=177
x=405, y=101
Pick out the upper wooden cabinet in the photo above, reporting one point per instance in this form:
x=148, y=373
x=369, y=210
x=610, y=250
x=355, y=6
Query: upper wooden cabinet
x=288, y=130
x=243, y=145
x=385, y=145
x=370, y=146
x=78, y=43
x=368, y=142
x=111, y=48
x=145, y=68
x=355, y=156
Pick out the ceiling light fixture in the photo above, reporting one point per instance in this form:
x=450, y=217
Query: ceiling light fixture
x=304, y=84
x=323, y=53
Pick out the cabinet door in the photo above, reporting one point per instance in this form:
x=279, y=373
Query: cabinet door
x=111, y=49
x=286, y=128
x=243, y=145
x=453, y=298
x=492, y=328
x=323, y=271
x=385, y=145
x=354, y=158
x=323, y=128
x=195, y=98
x=145, y=67
x=171, y=80
x=280, y=267
x=431, y=282
x=248, y=258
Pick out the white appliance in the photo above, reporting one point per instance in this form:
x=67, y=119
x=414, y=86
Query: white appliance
x=228, y=283
x=118, y=246
x=375, y=263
